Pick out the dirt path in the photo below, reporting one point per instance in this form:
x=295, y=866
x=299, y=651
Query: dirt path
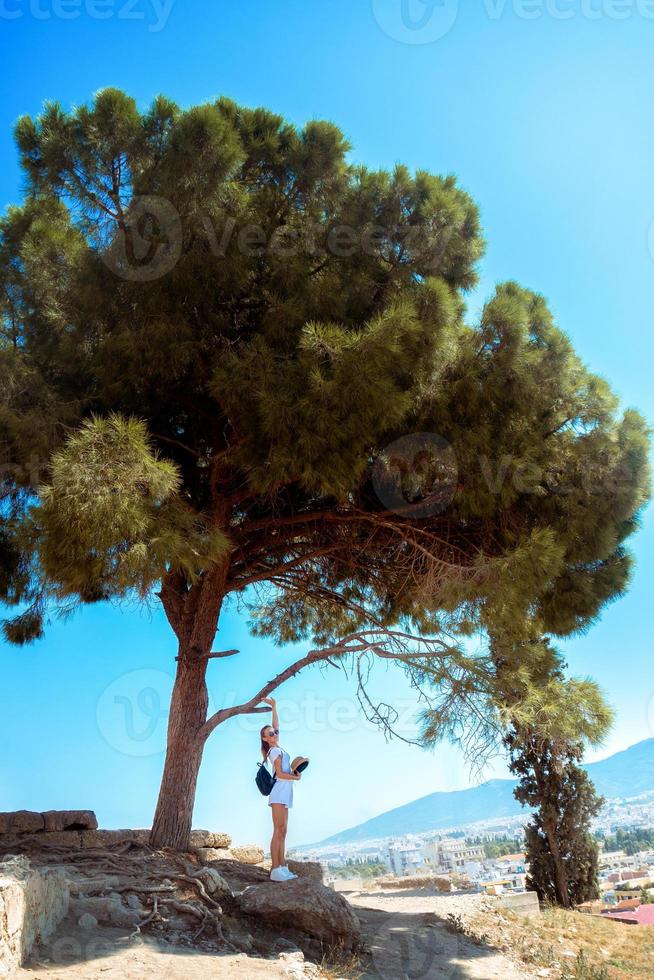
x=109, y=954
x=147, y=960
x=407, y=937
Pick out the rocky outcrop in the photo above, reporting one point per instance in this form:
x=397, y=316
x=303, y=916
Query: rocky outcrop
x=175, y=897
x=32, y=904
x=304, y=905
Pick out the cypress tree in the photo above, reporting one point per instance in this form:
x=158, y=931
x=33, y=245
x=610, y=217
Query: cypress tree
x=561, y=851
x=548, y=721
x=544, y=719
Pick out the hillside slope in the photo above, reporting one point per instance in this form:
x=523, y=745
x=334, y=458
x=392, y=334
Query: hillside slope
x=627, y=773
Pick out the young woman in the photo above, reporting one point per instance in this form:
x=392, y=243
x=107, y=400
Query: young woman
x=281, y=796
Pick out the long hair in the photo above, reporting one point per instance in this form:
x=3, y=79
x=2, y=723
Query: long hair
x=265, y=748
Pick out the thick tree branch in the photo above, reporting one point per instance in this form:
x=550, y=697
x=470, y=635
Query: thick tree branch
x=249, y=707
x=219, y=656
x=173, y=595
x=176, y=442
x=384, y=643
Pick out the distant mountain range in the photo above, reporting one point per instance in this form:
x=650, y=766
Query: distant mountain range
x=624, y=774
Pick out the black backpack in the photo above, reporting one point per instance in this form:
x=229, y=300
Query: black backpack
x=264, y=780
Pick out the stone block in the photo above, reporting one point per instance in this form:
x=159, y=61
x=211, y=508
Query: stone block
x=94, y=886
x=62, y=838
x=209, y=854
x=208, y=838
x=21, y=822
x=70, y=820
x=105, y=838
x=247, y=854
x=525, y=903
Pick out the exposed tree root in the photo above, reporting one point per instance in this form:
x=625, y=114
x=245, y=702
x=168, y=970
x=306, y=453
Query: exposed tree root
x=164, y=881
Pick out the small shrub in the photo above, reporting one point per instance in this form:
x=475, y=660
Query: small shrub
x=583, y=970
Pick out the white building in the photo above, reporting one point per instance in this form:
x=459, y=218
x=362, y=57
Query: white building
x=405, y=858
x=452, y=855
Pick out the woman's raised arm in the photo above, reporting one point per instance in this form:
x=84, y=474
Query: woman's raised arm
x=275, y=716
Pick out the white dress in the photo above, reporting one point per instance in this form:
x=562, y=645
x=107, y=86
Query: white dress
x=282, y=791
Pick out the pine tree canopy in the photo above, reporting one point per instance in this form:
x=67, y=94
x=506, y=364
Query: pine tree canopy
x=215, y=329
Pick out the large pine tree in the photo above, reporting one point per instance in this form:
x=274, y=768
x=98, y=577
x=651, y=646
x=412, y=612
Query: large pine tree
x=215, y=331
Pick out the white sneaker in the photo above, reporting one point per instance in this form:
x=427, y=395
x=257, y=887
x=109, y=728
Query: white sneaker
x=289, y=874
x=278, y=874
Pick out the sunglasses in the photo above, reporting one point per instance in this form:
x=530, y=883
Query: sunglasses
x=273, y=731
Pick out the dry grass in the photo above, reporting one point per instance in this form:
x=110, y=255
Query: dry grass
x=349, y=966
x=584, y=947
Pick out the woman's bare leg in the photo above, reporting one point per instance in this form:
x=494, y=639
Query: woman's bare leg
x=280, y=818
x=282, y=841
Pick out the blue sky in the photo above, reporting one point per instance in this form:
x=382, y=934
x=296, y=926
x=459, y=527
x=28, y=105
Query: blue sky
x=543, y=111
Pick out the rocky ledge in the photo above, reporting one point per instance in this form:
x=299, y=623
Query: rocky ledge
x=216, y=897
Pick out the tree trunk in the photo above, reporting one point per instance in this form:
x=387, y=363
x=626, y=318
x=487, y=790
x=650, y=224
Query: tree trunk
x=193, y=613
x=560, y=880
x=188, y=712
